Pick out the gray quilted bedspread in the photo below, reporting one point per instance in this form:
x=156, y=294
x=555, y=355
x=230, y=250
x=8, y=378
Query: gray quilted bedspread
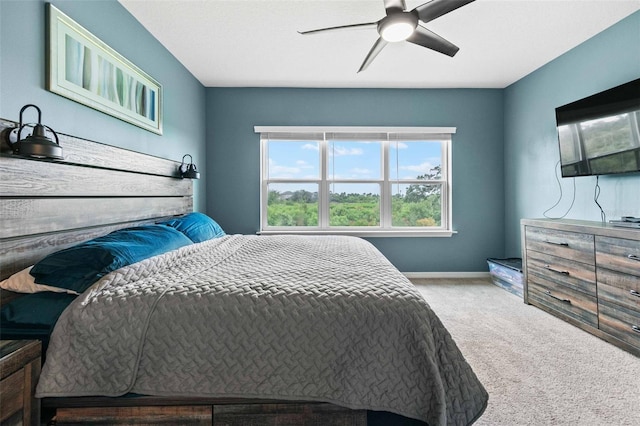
x=279, y=317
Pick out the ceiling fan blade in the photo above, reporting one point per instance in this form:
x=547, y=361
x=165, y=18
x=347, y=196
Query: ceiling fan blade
x=436, y=8
x=425, y=38
x=377, y=47
x=394, y=5
x=341, y=27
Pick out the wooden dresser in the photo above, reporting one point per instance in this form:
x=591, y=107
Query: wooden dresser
x=586, y=273
x=19, y=372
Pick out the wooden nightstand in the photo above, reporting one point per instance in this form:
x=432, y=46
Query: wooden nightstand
x=19, y=372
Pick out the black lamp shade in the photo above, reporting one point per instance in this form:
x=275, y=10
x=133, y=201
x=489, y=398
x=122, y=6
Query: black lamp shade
x=191, y=172
x=36, y=145
x=188, y=171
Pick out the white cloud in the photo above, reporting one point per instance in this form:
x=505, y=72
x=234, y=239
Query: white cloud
x=401, y=145
x=422, y=168
x=303, y=164
x=341, y=151
x=296, y=171
x=311, y=146
x=283, y=171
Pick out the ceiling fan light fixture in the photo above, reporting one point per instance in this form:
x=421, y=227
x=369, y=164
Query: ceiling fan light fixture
x=397, y=32
x=398, y=26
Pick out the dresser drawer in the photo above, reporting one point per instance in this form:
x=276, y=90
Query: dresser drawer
x=19, y=372
x=558, y=270
x=619, y=288
x=570, y=303
x=619, y=255
x=12, y=397
x=620, y=322
x=569, y=245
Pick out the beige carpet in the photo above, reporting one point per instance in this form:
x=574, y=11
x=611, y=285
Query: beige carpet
x=537, y=369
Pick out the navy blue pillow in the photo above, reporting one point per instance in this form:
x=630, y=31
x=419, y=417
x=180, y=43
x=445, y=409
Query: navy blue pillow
x=35, y=310
x=197, y=226
x=77, y=267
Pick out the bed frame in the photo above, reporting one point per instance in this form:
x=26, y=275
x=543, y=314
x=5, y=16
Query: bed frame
x=46, y=206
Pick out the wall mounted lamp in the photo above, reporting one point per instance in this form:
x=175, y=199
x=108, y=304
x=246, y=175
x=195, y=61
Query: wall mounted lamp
x=188, y=170
x=37, y=144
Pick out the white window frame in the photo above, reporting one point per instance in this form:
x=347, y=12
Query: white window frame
x=385, y=229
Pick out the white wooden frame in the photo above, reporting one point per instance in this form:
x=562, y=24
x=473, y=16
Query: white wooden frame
x=385, y=230
x=83, y=68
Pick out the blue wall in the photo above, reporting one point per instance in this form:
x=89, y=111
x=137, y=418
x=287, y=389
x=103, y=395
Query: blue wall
x=531, y=147
x=233, y=159
x=22, y=81
x=504, y=153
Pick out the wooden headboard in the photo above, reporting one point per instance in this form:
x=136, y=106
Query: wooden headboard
x=46, y=206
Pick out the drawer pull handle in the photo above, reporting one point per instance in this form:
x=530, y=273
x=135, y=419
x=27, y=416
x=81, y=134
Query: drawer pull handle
x=548, y=293
x=634, y=293
x=557, y=243
x=635, y=328
x=634, y=257
x=557, y=271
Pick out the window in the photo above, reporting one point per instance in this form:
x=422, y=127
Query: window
x=359, y=181
x=600, y=145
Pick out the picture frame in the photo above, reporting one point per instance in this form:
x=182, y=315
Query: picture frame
x=84, y=69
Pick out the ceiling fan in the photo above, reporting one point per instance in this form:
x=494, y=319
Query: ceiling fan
x=400, y=25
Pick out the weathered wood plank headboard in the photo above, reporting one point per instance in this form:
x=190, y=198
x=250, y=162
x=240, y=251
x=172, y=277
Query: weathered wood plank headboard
x=46, y=206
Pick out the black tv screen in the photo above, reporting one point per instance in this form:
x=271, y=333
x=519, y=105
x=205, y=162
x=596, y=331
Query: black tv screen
x=600, y=134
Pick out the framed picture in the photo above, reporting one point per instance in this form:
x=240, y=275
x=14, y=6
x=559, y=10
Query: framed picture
x=83, y=68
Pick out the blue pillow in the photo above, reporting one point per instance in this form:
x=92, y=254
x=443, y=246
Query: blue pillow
x=77, y=267
x=36, y=310
x=197, y=226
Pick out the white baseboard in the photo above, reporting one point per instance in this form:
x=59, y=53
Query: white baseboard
x=418, y=275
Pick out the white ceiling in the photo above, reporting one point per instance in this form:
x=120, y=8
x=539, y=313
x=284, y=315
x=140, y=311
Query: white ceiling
x=255, y=43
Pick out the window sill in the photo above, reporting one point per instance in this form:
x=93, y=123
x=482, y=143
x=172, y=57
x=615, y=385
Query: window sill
x=363, y=233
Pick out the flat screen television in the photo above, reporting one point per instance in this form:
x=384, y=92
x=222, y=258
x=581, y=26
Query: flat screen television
x=600, y=134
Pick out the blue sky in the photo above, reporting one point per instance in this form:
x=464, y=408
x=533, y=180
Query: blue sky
x=351, y=160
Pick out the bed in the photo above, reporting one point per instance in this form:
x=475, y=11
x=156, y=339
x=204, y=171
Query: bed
x=205, y=326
